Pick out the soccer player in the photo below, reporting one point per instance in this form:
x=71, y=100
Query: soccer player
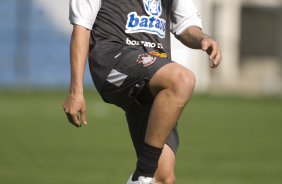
x=127, y=43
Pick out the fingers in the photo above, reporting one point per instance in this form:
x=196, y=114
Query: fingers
x=75, y=109
x=73, y=120
x=77, y=118
x=83, y=117
x=213, y=50
x=215, y=57
x=205, y=45
x=72, y=117
x=216, y=60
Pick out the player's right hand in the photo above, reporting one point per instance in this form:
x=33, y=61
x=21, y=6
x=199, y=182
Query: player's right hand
x=75, y=109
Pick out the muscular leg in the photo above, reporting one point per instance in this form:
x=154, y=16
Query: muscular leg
x=165, y=171
x=172, y=87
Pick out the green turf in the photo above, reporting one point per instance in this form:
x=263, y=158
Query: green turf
x=224, y=140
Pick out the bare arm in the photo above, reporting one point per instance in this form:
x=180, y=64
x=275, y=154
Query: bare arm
x=74, y=105
x=194, y=38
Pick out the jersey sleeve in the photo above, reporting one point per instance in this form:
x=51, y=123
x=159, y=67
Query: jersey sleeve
x=84, y=12
x=183, y=15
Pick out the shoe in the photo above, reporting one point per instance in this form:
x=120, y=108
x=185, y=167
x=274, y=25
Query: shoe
x=142, y=180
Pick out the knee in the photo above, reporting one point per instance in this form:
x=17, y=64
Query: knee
x=185, y=81
x=183, y=84
x=168, y=179
x=177, y=80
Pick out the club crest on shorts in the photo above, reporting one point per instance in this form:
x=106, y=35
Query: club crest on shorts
x=146, y=60
x=153, y=7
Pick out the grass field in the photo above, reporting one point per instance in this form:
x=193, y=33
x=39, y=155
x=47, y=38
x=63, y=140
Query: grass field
x=224, y=140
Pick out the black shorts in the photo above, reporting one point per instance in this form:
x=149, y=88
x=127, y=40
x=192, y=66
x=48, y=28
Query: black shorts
x=127, y=87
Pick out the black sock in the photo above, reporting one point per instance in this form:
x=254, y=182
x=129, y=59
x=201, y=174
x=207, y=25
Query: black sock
x=147, y=163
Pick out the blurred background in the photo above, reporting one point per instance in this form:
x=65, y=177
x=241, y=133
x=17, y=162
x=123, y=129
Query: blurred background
x=35, y=41
x=230, y=131
x=249, y=32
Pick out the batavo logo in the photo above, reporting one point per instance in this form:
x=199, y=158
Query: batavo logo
x=151, y=24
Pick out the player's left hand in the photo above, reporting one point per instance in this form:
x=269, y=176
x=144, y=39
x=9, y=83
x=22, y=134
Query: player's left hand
x=213, y=50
